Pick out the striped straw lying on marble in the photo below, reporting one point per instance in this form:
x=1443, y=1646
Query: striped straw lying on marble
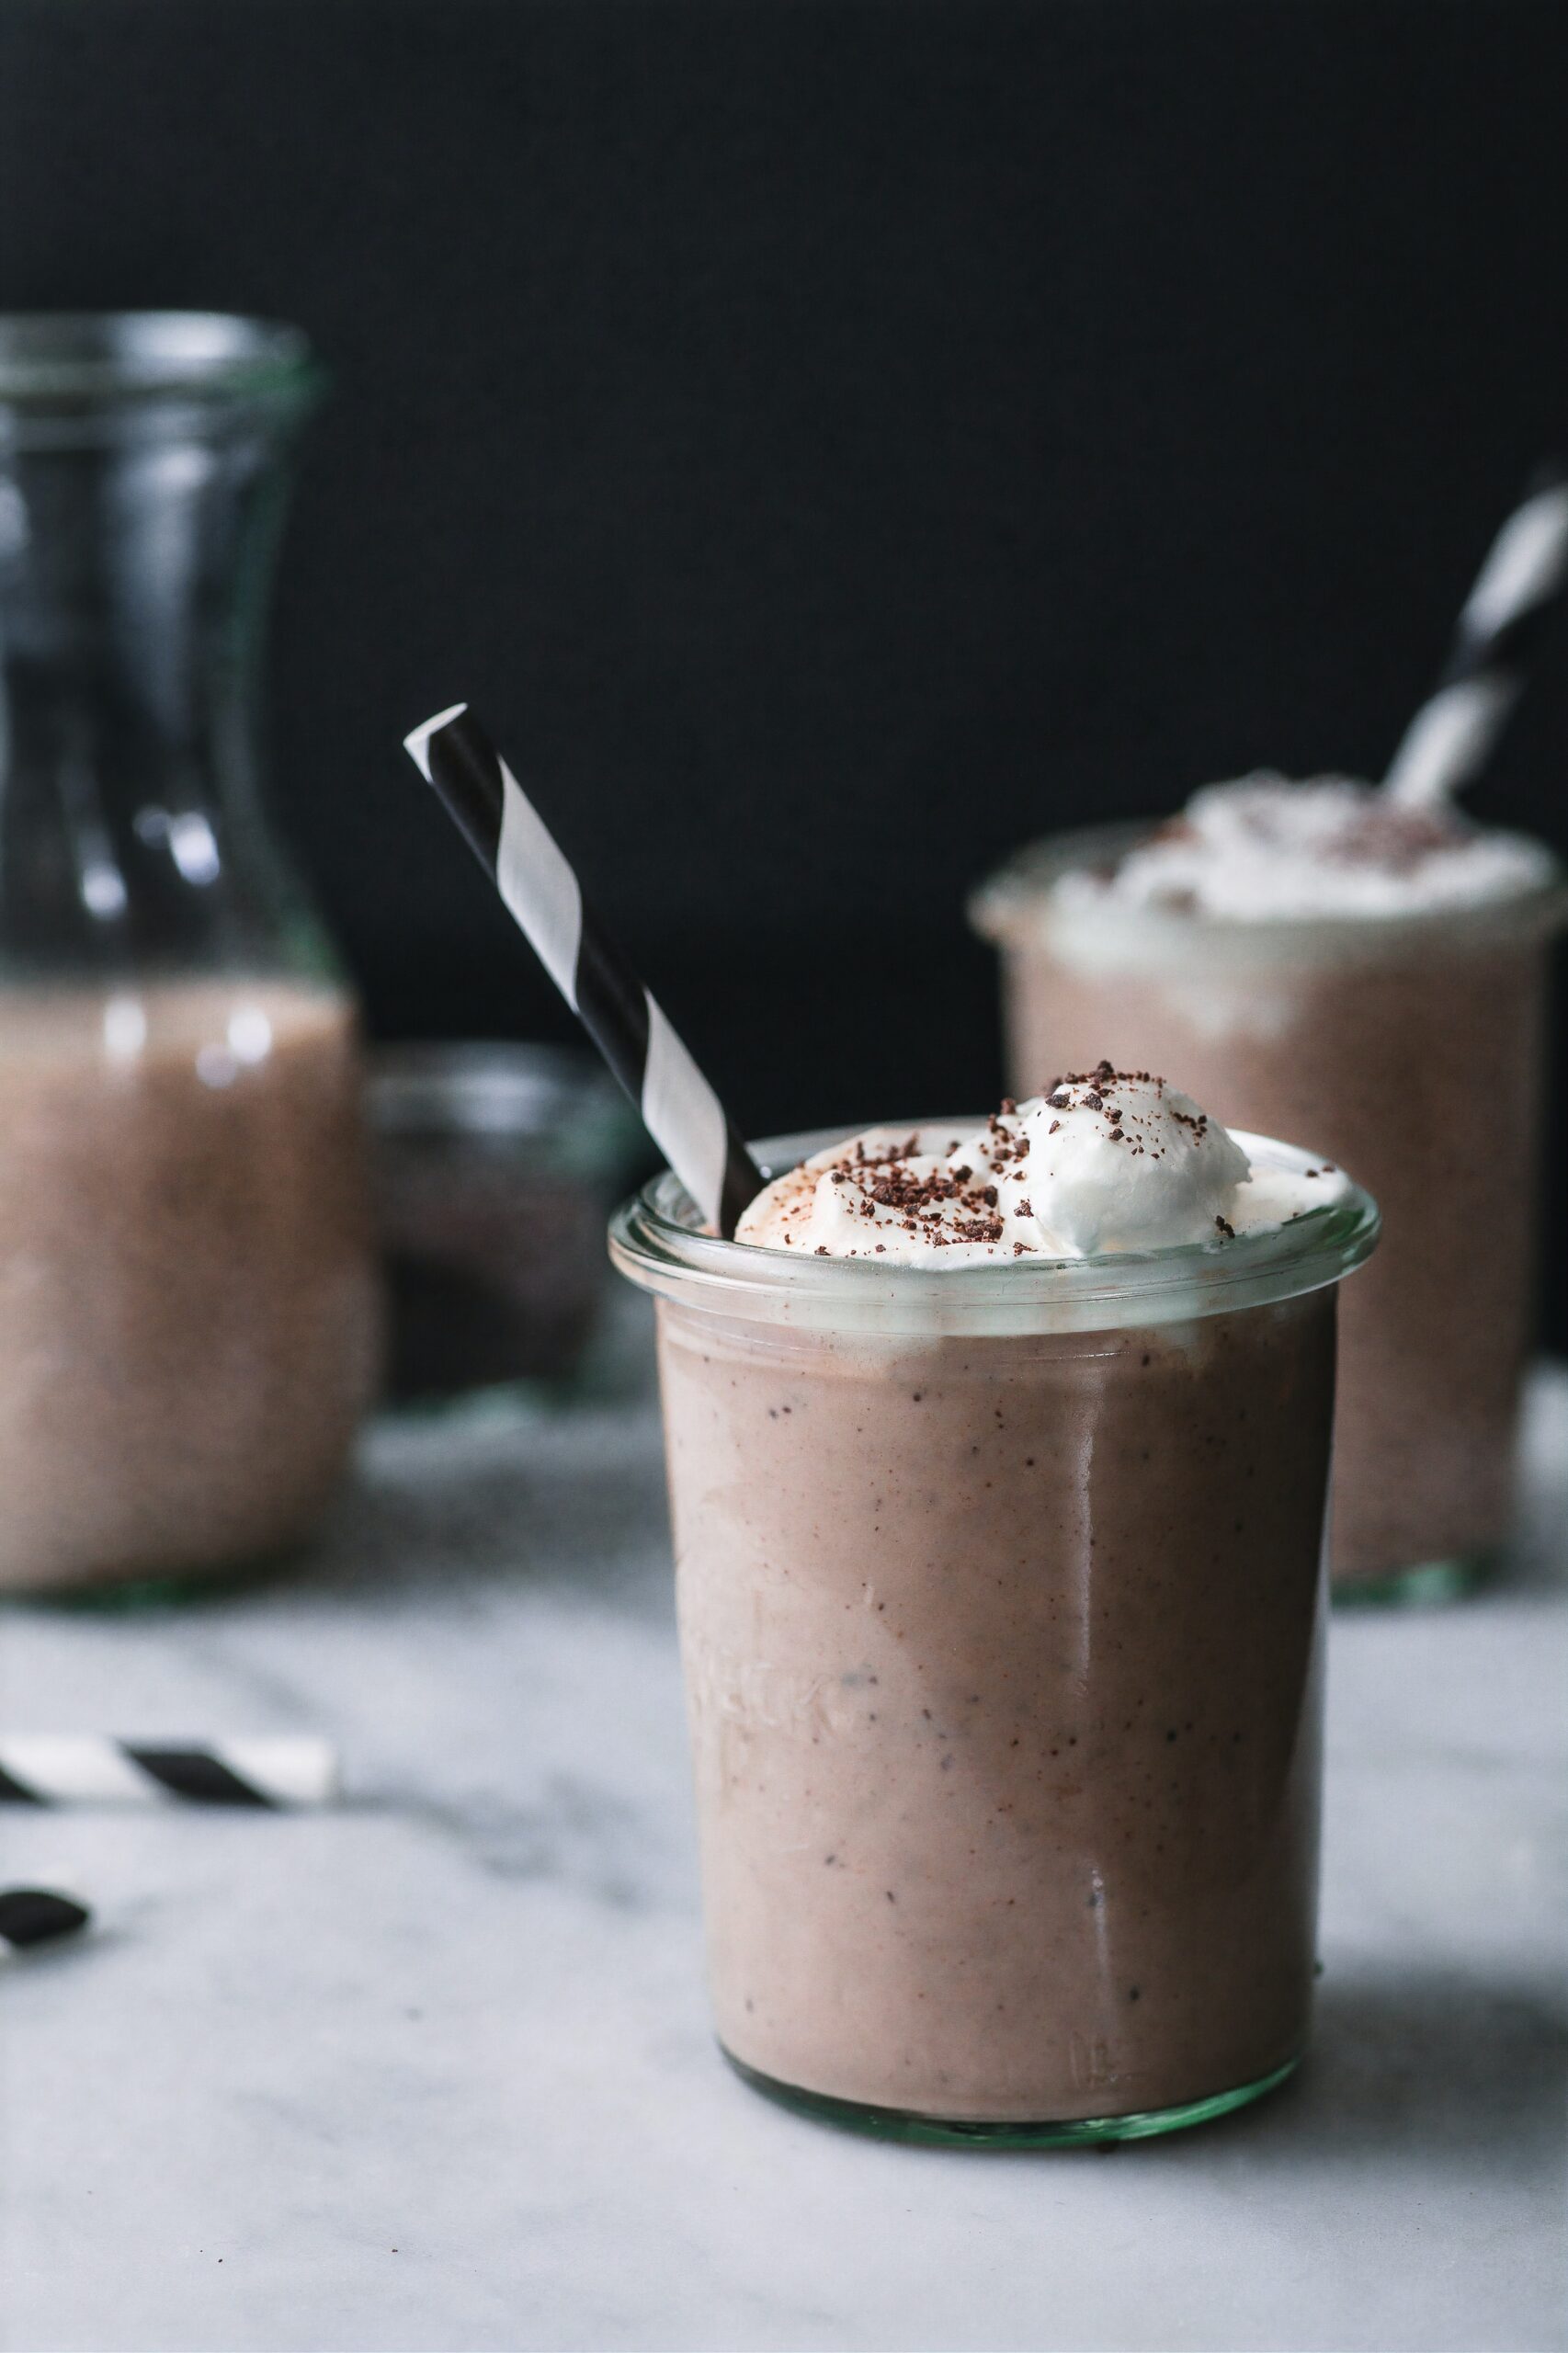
x=37, y=1916
x=50, y=1768
x=1455, y=733
x=540, y=890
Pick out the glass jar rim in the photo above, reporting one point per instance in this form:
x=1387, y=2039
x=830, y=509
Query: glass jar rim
x=657, y=1241
x=68, y=360
x=1013, y=907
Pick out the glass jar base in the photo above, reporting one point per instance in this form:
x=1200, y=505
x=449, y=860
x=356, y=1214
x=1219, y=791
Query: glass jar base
x=1426, y=1584
x=216, y=1581
x=947, y=2132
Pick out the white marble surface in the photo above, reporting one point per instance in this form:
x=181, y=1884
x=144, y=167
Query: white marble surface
x=433, y=2071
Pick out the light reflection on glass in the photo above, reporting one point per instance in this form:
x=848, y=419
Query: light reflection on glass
x=193, y=847
x=125, y=1028
x=189, y=840
x=250, y=1034
x=103, y=889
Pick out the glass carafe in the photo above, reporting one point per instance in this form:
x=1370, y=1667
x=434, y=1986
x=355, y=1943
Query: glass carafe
x=187, y=1305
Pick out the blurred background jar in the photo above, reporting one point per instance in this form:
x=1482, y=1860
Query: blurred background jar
x=496, y=1166
x=1366, y=1037
x=188, y=1312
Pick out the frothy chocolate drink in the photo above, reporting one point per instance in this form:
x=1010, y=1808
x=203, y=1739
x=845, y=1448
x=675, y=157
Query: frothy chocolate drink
x=188, y=1306
x=1324, y=964
x=999, y=1563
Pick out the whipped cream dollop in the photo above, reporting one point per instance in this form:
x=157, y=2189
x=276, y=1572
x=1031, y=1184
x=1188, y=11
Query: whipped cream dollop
x=1103, y=1160
x=1264, y=848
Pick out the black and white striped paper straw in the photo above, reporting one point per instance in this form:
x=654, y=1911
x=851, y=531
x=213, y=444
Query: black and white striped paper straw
x=37, y=1916
x=679, y=1109
x=53, y=1768
x=1454, y=734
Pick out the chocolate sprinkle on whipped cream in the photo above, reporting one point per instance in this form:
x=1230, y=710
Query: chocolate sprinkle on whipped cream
x=1263, y=848
x=1101, y=1160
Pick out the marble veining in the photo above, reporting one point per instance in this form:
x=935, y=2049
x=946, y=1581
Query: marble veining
x=433, y=2069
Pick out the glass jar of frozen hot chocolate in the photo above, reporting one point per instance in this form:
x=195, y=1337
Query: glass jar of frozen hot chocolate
x=1001, y=1590
x=188, y=1310
x=1372, y=980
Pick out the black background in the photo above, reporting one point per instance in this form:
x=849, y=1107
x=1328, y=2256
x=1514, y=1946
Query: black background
x=832, y=443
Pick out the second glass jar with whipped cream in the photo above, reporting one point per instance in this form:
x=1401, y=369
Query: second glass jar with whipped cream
x=998, y=1457
x=1320, y=964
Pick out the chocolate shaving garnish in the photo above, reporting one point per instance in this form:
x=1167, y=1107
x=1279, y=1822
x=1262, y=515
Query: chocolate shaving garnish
x=979, y=1229
x=1397, y=839
x=1228, y=1230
